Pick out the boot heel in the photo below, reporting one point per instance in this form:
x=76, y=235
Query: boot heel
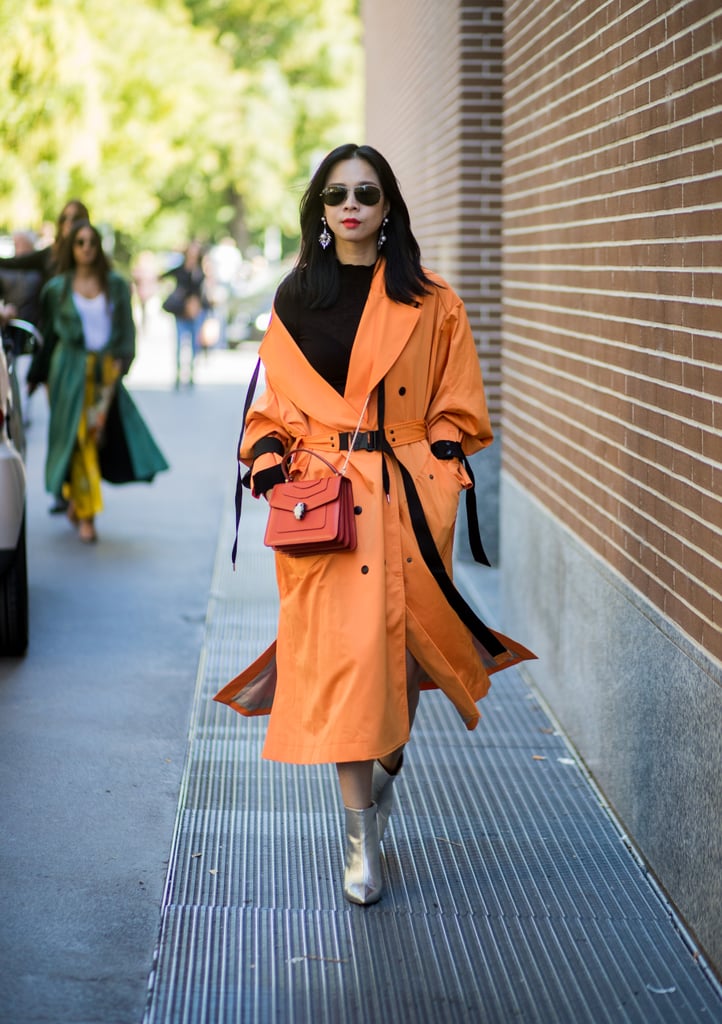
x=362, y=875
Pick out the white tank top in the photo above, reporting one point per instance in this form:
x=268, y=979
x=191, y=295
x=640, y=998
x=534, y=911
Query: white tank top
x=95, y=317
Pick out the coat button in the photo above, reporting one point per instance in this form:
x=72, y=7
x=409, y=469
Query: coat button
x=402, y=391
x=357, y=510
x=364, y=569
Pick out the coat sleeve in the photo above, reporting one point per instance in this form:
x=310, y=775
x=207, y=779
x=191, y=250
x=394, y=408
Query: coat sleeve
x=35, y=261
x=458, y=410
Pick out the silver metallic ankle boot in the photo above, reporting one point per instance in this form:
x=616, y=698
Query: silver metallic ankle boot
x=362, y=881
x=382, y=793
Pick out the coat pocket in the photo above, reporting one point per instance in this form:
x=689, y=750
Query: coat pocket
x=439, y=484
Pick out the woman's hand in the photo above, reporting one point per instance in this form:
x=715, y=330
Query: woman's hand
x=7, y=312
x=95, y=418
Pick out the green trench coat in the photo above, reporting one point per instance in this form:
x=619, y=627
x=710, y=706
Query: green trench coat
x=128, y=453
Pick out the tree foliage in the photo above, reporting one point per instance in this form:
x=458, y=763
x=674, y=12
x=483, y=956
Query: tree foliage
x=169, y=118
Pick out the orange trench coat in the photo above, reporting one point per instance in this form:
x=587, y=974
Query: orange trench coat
x=334, y=681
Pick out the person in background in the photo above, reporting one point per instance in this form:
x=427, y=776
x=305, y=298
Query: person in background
x=145, y=283
x=22, y=287
x=89, y=344
x=188, y=304
x=367, y=350
x=23, y=242
x=46, y=261
x=32, y=268
x=224, y=267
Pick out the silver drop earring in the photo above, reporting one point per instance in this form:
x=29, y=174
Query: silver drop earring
x=325, y=236
x=382, y=235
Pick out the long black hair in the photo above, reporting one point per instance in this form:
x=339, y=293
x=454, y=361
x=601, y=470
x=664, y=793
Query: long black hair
x=73, y=210
x=315, y=280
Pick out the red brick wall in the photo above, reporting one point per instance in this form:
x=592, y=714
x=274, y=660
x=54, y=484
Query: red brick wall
x=612, y=287
x=434, y=109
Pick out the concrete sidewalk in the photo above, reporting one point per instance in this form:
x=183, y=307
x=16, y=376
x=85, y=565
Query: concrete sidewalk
x=511, y=894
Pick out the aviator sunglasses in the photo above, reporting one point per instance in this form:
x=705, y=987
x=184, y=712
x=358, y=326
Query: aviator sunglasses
x=367, y=195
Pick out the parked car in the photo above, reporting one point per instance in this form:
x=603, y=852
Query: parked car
x=16, y=338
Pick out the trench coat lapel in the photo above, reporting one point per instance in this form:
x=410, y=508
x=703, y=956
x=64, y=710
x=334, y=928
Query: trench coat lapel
x=383, y=331
x=382, y=334
x=73, y=324
x=289, y=370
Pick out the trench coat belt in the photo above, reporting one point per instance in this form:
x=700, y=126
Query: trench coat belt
x=396, y=434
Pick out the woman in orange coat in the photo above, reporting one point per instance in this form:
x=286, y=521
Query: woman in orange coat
x=362, y=336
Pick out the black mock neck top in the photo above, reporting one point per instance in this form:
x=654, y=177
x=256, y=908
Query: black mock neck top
x=326, y=336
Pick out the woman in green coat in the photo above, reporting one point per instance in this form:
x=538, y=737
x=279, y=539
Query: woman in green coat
x=95, y=430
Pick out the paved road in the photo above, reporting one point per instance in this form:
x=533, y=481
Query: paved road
x=94, y=720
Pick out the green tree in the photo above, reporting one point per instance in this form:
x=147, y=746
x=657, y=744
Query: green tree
x=168, y=118
x=302, y=63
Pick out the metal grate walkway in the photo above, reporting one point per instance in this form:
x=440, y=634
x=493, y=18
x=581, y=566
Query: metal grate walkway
x=511, y=895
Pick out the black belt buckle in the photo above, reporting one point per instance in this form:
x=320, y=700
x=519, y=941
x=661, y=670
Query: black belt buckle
x=366, y=442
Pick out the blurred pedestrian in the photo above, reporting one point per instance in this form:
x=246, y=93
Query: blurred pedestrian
x=145, y=282
x=22, y=287
x=31, y=268
x=189, y=304
x=23, y=242
x=95, y=431
x=46, y=261
x=224, y=267
x=368, y=351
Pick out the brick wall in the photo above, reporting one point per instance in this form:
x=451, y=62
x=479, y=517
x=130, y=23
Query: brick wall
x=434, y=109
x=611, y=401
x=612, y=287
